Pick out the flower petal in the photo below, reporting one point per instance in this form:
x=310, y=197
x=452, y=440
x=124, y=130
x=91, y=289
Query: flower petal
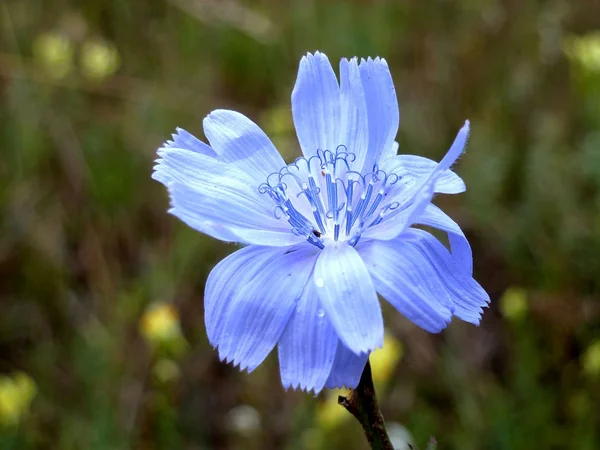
x=412, y=201
x=416, y=167
x=461, y=250
x=250, y=297
x=403, y=276
x=418, y=194
x=382, y=108
x=316, y=105
x=466, y=294
x=348, y=298
x=219, y=199
x=388, y=154
x=233, y=223
x=456, y=149
x=307, y=345
x=347, y=368
x=224, y=282
x=238, y=140
x=354, y=125
x=185, y=140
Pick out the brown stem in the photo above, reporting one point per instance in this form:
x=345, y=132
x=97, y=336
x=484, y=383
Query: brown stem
x=362, y=404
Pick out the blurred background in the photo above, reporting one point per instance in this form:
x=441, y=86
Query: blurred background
x=102, y=342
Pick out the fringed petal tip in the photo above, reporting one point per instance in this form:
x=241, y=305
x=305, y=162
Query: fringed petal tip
x=315, y=54
x=342, y=385
x=350, y=382
x=238, y=364
x=315, y=57
x=162, y=171
x=474, y=315
x=177, y=137
x=159, y=174
x=353, y=60
x=302, y=387
x=369, y=60
x=182, y=139
x=442, y=327
x=376, y=61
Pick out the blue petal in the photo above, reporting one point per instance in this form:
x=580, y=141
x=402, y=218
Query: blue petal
x=224, y=282
x=418, y=195
x=388, y=154
x=354, y=125
x=458, y=146
x=467, y=295
x=316, y=105
x=307, y=346
x=405, y=278
x=347, y=368
x=238, y=140
x=222, y=218
x=415, y=167
x=461, y=250
x=185, y=140
x=249, y=299
x=219, y=199
x=348, y=297
x=413, y=200
x=382, y=108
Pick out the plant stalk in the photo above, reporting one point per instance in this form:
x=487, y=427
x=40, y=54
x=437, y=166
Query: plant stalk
x=362, y=404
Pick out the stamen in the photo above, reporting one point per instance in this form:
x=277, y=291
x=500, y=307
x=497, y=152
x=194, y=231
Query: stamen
x=362, y=202
x=349, y=197
x=375, y=203
x=314, y=208
x=320, y=183
x=315, y=191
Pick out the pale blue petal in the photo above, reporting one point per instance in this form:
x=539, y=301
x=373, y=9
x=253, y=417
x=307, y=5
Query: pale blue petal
x=221, y=216
x=382, y=108
x=307, y=345
x=456, y=149
x=250, y=299
x=403, y=276
x=415, y=167
x=467, y=295
x=354, y=125
x=209, y=174
x=348, y=297
x=316, y=105
x=347, y=368
x=461, y=250
x=238, y=140
x=414, y=200
x=418, y=194
x=224, y=282
x=219, y=199
x=388, y=154
x=187, y=141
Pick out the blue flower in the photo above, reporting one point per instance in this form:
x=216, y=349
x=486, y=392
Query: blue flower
x=325, y=234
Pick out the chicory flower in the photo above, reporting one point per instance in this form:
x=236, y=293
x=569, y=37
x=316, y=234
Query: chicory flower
x=325, y=234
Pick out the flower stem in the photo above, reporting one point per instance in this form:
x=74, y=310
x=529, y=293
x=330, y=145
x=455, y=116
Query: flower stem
x=362, y=404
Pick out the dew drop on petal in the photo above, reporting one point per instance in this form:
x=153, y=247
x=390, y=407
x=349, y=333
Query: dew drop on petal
x=320, y=281
x=320, y=313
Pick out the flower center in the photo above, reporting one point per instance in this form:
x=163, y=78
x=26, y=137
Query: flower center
x=324, y=200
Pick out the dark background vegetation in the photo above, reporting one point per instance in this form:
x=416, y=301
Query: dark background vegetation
x=102, y=343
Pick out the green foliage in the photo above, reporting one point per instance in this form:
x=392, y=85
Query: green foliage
x=91, y=89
